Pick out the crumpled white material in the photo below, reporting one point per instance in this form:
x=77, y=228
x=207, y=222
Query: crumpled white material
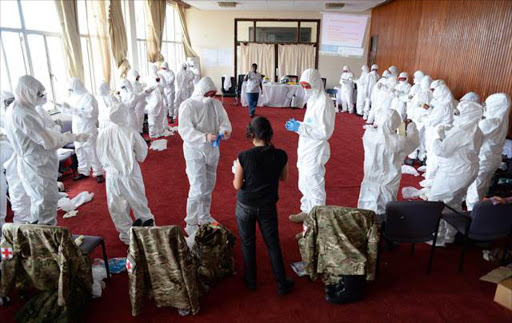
x=67, y=205
x=422, y=169
x=406, y=169
x=159, y=145
x=70, y=214
x=227, y=83
x=410, y=192
x=98, y=274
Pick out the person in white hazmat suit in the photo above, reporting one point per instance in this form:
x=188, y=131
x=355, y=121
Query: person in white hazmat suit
x=184, y=85
x=457, y=150
x=36, y=149
x=83, y=108
x=378, y=90
x=373, y=78
x=203, y=121
x=121, y=149
x=105, y=100
x=157, y=111
x=418, y=115
x=135, y=104
x=313, y=151
x=494, y=128
x=134, y=78
x=347, y=90
x=384, y=153
x=440, y=115
x=385, y=99
x=402, y=95
x=362, y=90
x=169, y=91
x=393, y=70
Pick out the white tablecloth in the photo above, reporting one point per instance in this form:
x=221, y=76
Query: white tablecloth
x=277, y=95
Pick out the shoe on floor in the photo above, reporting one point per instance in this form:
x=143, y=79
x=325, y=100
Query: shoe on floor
x=285, y=287
x=298, y=218
x=172, y=120
x=149, y=223
x=80, y=177
x=100, y=179
x=249, y=284
x=298, y=236
x=137, y=223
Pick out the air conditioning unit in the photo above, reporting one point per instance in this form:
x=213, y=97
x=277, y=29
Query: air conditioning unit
x=227, y=4
x=334, y=5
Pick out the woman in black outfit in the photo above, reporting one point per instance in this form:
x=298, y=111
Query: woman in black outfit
x=257, y=175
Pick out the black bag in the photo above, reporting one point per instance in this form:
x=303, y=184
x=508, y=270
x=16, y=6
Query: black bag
x=349, y=289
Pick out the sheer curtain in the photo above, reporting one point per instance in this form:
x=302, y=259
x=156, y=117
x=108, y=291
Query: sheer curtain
x=155, y=19
x=97, y=10
x=187, y=47
x=295, y=59
x=261, y=54
x=118, y=40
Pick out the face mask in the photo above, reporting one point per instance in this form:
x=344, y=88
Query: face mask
x=41, y=98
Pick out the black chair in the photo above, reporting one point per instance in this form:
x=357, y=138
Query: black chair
x=324, y=80
x=292, y=78
x=412, y=222
x=231, y=92
x=66, y=126
x=89, y=244
x=486, y=222
x=239, y=86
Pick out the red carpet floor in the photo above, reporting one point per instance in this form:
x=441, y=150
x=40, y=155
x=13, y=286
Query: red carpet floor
x=402, y=293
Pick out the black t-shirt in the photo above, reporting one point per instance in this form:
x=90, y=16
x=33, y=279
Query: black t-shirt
x=262, y=169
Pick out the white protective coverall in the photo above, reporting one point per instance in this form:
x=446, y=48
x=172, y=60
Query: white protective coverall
x=105, y=100
x=184, y=85
x=440, y=114
x=384, y=153
x=199, y=116
x=378, y=91
x=401, y=95
x=373, y=78
x=314, y=151
x=134, y=78
x=415, y=88
x=168, y=80
x=362, y=90
x=418, y=114
x=157, y=111
x=494, y=128
x=83, y=107
x=121, y=149
x=471, y=96
x=347, y=90
x=36, y=147
x=393, y=70
x=458, y=162
x=135, y=105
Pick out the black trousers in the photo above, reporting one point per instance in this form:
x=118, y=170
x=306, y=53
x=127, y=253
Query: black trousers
x=266, y=217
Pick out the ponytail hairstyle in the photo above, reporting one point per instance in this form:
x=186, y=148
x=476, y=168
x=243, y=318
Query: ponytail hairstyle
x=261, y=129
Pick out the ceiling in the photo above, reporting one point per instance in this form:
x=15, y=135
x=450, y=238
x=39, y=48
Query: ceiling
x=276, y=5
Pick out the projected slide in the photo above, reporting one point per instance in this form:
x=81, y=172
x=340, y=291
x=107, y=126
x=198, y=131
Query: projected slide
x=343, y=34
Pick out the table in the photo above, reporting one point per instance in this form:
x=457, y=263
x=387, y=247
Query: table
x=277, y=95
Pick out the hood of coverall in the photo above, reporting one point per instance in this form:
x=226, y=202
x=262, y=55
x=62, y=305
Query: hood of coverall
x=442, y=93
x=202, y=87
x=469, y=113
x=28, y=91
x=435, y=84
x=118, y=114
x=404, y=75
x=164, y=65
x=345, y=68
x=418, y=76
x=393, y=70
x=390, y=121
x=314, y=79
x=391, y=82
x=425, y=83
x=6, y=96
x=386, y=74
x=77, y=86
x=497, y=106
x=375, y=67
x=471, y=96
x=132, y=75
x=365, y=69
x=104, y=89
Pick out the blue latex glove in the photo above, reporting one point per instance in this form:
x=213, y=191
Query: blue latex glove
x=292, y=125
x=216, y=143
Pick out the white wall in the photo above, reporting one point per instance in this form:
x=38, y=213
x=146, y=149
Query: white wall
x=214, y=30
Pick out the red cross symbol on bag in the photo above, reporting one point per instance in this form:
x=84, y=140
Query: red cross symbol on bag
x=129, y=266
x=6, y=253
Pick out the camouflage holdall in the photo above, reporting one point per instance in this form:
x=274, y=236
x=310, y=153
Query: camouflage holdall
x=43, y=257
x=160, y=264
x=339, y=241
x=213, y=253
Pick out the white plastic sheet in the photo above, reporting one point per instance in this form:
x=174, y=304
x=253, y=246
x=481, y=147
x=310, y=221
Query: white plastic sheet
x=406, y=169
x=410, y=192
x=159, y=145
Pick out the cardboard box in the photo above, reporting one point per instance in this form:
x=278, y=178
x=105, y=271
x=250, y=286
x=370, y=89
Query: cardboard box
x=503, y=294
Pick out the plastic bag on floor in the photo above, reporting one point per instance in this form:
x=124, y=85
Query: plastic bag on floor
x=410, y=192
x=159, y=145
x=70, y=214
x=65, y=204
x=406, y=169
x=117, y=265
x=98, y=274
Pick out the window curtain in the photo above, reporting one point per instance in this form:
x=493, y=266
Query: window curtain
x=295, y=59
x=155, y=19
x=98, y=30
x=67, y=10
x=187, y=47
x=261, y=54
x=118, y=39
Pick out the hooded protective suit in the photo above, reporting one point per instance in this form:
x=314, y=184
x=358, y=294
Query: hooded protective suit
x=83, y=107
x=314, y=151
x=471, y=96
x=418, y=114
x=373, y=78
x=415, y=88
x=401, y=95
x=35, y=147
x=135, y=105
x=168, y=78
x=198, y=117
x=157, y=112
x=121, y=149
x=384, y=153
x=458, y=162
x=379, y=90
x=134, y=78
x=494, y=128
x=105, y=100
x=347, y=90
x=184, y=85
x=440, y=115
x=393, y=70
x=362, y=90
